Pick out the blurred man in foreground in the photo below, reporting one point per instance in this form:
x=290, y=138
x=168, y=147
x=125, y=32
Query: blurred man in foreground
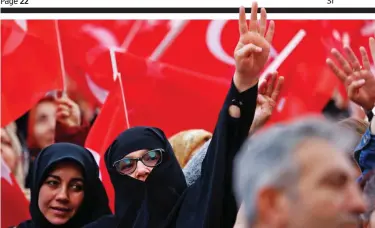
x=298, y=175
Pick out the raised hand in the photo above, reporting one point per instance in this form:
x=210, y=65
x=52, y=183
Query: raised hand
x=68, y=112
x=253, y=48
x=359, y=81
x=268, y=93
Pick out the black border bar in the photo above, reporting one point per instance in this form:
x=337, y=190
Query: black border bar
x=189, y=10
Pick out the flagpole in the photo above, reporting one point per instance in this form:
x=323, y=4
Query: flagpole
x=133, y=31
x=62, y=65
x=117, y=75
x=284, y=54
x=176, y=28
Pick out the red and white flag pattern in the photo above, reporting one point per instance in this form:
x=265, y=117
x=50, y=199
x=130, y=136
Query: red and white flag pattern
x=31, y=65
x=174, y=74
x=14, y=205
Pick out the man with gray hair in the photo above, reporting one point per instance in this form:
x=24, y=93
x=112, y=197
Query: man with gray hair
x=298, y=175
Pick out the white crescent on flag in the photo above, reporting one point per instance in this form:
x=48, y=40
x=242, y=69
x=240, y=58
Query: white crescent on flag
x=100, y=93
x=15, y=38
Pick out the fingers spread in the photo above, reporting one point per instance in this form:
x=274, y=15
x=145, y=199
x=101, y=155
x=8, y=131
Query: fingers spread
x=278, y=88
x=372, y=48
x=352, y=58
x=365, y=59
x=242, y=21
x=271, y=84
x=270, y=32
x=263, y=22
x=262, y=87
x=336, y=70
x=342, y=61
x=261, y=99
x=254, y=17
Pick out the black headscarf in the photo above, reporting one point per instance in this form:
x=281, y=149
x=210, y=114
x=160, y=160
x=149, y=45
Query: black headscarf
x=163, y=200
x=137, y=203
x=95, y=202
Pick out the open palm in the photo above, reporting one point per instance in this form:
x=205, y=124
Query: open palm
x=359, y=80
x=253, y=48
x=268, y=93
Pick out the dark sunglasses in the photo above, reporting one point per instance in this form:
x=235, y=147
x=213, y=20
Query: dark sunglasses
x=127, y=166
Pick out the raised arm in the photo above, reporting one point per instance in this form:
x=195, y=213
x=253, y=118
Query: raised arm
x=360, y=85
x=210, y=201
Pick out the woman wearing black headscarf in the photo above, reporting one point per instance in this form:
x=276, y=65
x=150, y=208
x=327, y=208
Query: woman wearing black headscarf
x=150, y=187
x=66, y=190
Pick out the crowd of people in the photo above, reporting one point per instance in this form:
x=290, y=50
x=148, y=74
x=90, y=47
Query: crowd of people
x=312, y=172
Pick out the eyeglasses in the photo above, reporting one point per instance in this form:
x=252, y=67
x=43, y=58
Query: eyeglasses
x=127, y=166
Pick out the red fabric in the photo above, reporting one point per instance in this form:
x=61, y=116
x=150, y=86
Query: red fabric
x=14, y=205
x=158, y=95
x=82, y=42
x=30, y=65
x=309, y=84
x=308, y=79
x=148, y=37
x=191, y=49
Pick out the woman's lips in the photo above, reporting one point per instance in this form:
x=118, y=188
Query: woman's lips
x=61, y=210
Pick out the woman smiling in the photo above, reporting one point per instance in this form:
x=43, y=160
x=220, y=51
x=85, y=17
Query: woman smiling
x=66, y=190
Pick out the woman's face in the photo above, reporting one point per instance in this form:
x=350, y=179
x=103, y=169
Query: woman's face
x=61, y=193
x=7, y=151
x=141, y=172
x=45, y=124
x=140, y=163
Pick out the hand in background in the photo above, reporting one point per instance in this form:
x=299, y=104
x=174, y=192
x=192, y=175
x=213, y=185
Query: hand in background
x=253, y=48
x=359, y=81
x=269, y=91
x=68, y=112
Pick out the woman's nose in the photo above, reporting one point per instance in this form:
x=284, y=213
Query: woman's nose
x=62, y=195
x=142, y=170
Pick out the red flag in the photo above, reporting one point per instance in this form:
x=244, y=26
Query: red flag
x=82, y=42
x=211, y=42
x=30, y=65
x=14, y=205
x=158, y=95
x=307, y=76
x=309, y=83
x=134, y=37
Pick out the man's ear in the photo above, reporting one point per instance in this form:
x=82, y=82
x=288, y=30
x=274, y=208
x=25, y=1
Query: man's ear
x=272, y=206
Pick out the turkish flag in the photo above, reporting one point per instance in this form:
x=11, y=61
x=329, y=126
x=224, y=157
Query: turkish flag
x=30, y=65
x=159, y=95
x=154, y=37
x=83, y=41
x=14, y=205
x=309, y=84
x=204, y=46
x=302, y=63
